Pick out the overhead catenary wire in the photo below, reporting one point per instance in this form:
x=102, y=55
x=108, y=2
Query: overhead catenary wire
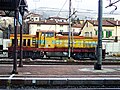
x=60, y=10
x=112, y=4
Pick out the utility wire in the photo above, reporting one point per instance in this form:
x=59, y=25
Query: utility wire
x=62, y=8
x=112, y=4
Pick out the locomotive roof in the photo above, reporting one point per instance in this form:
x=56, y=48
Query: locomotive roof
x=45, y=30
x=23, y=35
x=11, y=4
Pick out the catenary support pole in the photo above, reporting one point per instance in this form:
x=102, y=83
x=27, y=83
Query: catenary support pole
x=15, y=41
x=21, y=32
x=69, y=36
x=98, y=65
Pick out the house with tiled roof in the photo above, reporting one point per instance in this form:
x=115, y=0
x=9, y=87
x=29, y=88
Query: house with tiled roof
x=110, y=29
x=117, y=28
x=32, y=17
x=51, y=25
x=76, y=28
x=56, y=24
x=60, y=19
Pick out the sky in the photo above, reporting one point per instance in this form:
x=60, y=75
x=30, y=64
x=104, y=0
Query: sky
x=79, y=5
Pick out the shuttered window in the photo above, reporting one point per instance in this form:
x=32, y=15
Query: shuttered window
x=102, y=34
x=96, y=32
x=108, y=34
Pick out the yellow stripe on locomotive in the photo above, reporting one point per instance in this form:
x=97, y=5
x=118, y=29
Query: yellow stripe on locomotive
x=76, y=42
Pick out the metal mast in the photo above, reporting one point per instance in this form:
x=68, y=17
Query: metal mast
x=99, y=46
x=15, y=39
x=21, y=32
x=69, y=36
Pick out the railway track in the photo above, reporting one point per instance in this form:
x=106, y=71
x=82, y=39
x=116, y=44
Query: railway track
x=57, y=61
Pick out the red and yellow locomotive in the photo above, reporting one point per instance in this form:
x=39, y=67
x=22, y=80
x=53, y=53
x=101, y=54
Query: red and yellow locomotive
x=49, y=44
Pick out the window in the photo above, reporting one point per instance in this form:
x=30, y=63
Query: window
x=28, y=43
x=86, y=34
x=28, y=17
x=108, y=34
x=38, y=25
x=90, y=34
x=36, y=18
x=13, y=41
x=61, y=30
x=102, y=34
x=43, y=34
x=73, y=30
x=32, y=19
x=33, y=40
x=49, y=34
x=96, y=32
x=37, y=34
x=24, y=42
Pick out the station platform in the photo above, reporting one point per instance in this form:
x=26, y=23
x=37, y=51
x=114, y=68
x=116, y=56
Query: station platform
x=60, y=75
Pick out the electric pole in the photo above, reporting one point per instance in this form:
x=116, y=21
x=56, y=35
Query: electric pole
x=69, y=36
x=98, y=65
x=15, y=39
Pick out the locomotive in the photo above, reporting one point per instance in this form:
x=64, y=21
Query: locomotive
x=51, y=44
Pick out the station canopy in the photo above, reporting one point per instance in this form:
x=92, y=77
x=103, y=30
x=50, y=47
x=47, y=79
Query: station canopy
x=9, y=6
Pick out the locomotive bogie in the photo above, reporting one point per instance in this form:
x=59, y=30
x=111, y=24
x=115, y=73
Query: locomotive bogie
x=85, y=55
x=56, y=54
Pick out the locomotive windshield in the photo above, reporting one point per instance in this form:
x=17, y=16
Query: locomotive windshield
x=49, y=34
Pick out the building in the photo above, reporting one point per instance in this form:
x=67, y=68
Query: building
x=110, y=29
x=110, y=34
x=76, y=28
x=50, y=25
x=56, y=24
x=32, y=17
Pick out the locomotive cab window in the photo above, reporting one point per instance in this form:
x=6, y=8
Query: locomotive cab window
x=24, y=42
x=28, y=43
x=13, y=41
x=37, y=34
x=49, y=34
x=33, y=40
x=43, y=34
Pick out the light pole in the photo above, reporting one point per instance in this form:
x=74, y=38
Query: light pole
x=98, y=64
